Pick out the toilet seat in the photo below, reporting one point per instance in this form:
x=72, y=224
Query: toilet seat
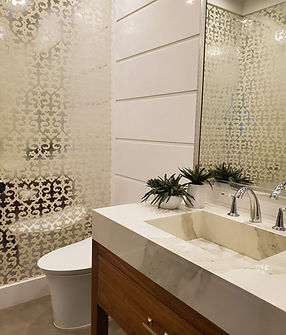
x=70, y=260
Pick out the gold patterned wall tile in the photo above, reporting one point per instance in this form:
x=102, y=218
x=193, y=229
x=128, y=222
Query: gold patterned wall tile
x=55, y=126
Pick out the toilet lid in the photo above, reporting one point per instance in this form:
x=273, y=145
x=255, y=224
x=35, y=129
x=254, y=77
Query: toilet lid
x=73, y=257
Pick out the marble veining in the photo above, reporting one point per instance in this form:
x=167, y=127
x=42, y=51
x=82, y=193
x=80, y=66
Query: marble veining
x=241, y=294
x=203, y=226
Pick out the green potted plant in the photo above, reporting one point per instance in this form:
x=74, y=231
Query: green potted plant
x=198, y=177
x=226, y=173
x=167, y=192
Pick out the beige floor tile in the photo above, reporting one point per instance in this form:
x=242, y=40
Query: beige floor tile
x=35, y=318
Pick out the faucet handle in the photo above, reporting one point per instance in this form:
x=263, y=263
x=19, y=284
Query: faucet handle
x=233, y=208
x=279, y=225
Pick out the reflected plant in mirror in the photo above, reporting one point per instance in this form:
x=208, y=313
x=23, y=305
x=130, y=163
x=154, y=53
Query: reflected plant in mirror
x=226, y=173
x=243, y=119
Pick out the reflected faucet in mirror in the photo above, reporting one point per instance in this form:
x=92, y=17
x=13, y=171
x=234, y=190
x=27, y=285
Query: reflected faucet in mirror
x=278, y=189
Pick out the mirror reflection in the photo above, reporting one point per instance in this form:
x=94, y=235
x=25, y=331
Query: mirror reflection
x=244, y=97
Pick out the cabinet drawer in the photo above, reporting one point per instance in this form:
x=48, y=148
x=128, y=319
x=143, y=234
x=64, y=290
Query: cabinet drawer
x=131, y=305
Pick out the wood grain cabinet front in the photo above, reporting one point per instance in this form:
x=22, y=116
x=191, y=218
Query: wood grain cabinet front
x=137, y=304
x=135, y=308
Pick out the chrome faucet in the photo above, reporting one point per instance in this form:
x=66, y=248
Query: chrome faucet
x=280, y=220
x=278, y=189
x=279, y=225
x=255, y=211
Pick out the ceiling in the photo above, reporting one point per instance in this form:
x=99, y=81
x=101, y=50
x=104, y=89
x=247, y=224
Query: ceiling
x=244, y=7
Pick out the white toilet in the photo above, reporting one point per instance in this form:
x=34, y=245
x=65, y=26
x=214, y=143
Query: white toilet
x=68, y=271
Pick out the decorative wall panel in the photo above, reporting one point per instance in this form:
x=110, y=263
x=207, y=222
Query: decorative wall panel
x=55, y=126
x=244, y=116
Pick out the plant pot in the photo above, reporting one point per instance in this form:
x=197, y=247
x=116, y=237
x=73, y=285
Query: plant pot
x=173, y=203
x=199, y=194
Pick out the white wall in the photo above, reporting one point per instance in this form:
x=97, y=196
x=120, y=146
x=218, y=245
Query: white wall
x=23, y=291
x=155, y=80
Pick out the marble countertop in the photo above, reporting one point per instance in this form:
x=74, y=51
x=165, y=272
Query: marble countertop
x=241, y=295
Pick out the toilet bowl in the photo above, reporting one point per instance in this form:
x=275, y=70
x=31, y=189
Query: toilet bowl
x=68, y=271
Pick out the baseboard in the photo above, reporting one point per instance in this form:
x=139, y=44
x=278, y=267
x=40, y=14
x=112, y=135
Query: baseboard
x=23, y=291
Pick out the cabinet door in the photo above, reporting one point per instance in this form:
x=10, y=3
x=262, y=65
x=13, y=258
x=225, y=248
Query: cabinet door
x=134, y=308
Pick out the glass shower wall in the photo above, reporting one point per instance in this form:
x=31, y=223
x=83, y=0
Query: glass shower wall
x=55, y=126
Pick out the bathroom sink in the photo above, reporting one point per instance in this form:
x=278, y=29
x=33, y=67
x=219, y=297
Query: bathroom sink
x=243, y=238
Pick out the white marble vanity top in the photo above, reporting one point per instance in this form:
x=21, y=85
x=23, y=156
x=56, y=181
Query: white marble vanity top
x=240, y=294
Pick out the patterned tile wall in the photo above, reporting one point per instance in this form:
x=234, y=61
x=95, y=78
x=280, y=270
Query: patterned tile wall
x=55, y=126
x=244, y=115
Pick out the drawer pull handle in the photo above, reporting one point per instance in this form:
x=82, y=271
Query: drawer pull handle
x=149, y=321
x=147, y=327
x=165, y=333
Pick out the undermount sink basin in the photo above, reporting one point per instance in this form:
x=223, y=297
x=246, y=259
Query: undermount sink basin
x=243, y=238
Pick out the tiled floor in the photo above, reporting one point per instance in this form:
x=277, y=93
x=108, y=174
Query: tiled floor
x=35, y=318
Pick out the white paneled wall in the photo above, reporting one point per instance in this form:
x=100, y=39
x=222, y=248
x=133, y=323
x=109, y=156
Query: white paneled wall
x=136, y=33
x=126, y=7
x=150, y=118
x=166, y=70
x=142, y=160
x=155, y=82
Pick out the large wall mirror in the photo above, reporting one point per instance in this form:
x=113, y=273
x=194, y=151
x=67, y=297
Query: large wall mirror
x=243, y=118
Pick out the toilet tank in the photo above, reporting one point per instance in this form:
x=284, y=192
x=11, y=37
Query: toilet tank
x=38, y=236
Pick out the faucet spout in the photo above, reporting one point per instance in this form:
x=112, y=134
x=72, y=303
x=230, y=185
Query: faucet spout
x=278, y=189
x=255, y=211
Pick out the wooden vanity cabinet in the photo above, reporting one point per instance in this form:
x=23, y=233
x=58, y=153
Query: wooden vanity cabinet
x=137, y=304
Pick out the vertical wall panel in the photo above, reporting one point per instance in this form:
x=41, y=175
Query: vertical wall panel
x=154, y=134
